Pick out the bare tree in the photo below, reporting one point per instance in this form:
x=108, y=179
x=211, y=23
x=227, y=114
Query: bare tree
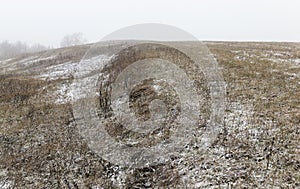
x=73, y=39
x=38, y=47
x=8, y=50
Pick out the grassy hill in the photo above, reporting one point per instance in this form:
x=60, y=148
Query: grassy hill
x=40, y=146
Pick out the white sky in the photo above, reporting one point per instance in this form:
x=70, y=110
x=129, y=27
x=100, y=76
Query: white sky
x=46, y=22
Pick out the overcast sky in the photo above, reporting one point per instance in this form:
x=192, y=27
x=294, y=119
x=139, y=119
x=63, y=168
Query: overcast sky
x=46, y=22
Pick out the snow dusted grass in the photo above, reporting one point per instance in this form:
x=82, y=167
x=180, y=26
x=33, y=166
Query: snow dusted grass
x=258, y=147
x=61, y=71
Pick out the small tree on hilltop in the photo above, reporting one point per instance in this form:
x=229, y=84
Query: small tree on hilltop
x=72, y=40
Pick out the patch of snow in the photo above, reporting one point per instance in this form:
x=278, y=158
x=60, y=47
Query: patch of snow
x=6, y=60
x=87, y=66
x=240, y=58
x=236, y=51
x=11, y=66
x=201, y=184
x=79, y=89
x=83, y=81
x=291, y=74
x=293, y=63
x=281, y=54
x=59, y=71
x=239, y=115
x=297, y=61
x=276, y=60
x=35, y=60
x=156, y=87
x=81, y=84
x=62, y=94
x=28, y=59
x=242, y=55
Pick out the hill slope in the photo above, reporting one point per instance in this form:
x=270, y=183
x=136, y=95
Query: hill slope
x=40, y=146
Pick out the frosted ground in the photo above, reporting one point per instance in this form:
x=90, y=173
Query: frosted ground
x=257, y=148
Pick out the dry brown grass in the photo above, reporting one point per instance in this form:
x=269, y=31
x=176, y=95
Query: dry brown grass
x=259, y=147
